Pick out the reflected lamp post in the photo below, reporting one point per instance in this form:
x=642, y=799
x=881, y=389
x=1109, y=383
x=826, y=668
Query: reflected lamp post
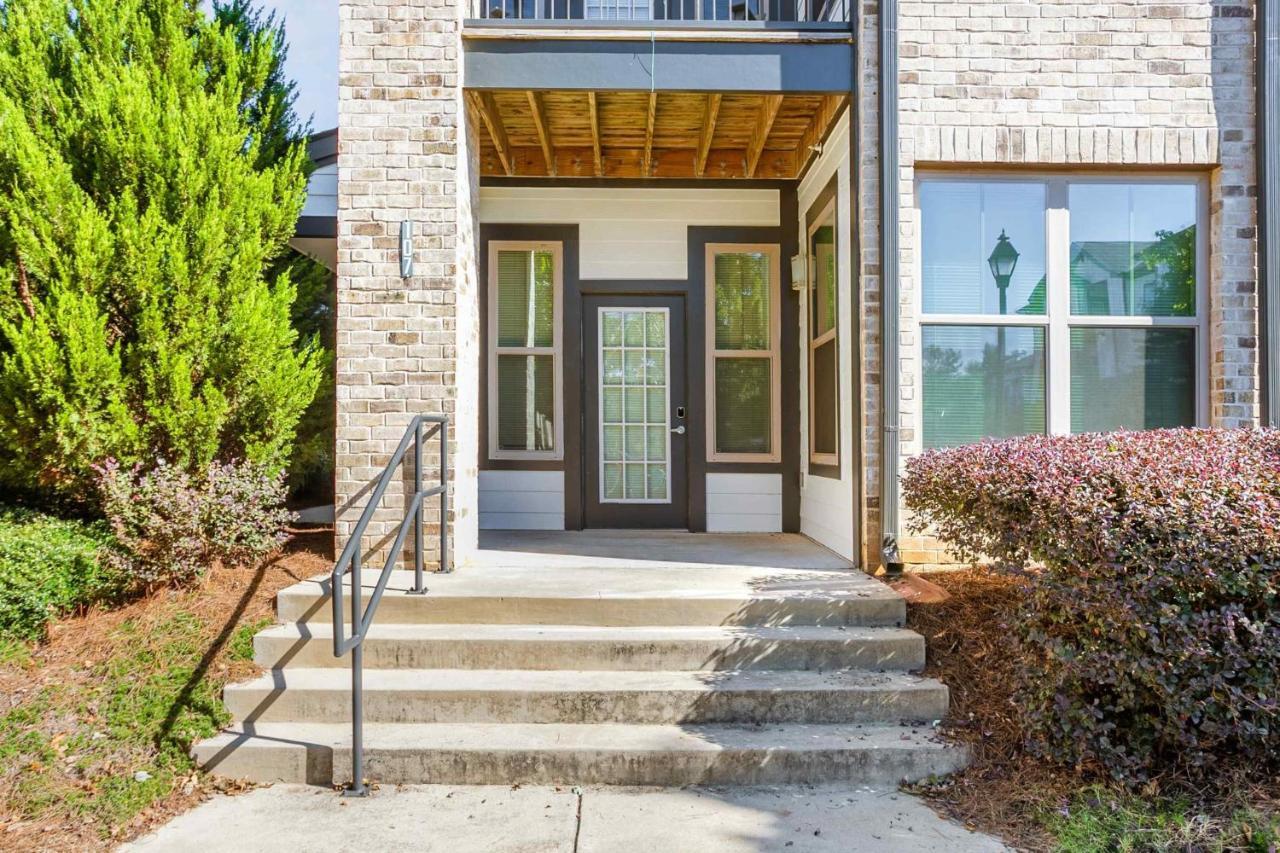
x=1003, y=260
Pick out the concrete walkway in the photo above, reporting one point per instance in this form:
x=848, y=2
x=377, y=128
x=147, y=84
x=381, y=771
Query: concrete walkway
x=835, y=819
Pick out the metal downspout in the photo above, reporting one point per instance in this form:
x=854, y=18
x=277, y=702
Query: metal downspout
x=1268, y=151
x=890, y=554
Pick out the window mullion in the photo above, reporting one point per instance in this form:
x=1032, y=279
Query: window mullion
x=1058, y=280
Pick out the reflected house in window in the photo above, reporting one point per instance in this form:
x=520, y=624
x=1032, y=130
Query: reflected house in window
x=1155, y=278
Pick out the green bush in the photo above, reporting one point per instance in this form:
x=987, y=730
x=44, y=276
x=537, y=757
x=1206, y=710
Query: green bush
x=143, y=200
x=48, y=567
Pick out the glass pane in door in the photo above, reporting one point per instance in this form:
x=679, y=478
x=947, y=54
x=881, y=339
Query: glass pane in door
x=635, y=423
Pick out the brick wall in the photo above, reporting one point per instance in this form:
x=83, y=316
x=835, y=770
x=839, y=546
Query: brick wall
x=1119, y=84
x=405, y=153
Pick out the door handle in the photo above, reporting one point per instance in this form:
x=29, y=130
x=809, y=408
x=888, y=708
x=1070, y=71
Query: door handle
x=678, y=430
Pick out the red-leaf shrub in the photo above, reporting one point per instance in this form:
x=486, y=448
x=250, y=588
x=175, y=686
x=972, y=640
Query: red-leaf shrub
x=1151, y=630
x=169, y=527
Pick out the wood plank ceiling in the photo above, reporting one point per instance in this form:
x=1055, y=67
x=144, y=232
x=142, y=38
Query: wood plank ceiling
x=572, y=134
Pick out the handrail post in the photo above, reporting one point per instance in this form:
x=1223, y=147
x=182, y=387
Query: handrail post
x=351, y=559
x=419, y=587
x=357, y=787
x=445, y=565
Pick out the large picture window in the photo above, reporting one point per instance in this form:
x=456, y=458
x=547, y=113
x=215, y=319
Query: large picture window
x=1060, y=305
x=824, y=344
x=743, y=331
x=525, y=394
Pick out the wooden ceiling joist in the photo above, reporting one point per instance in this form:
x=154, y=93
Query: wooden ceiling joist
x=822, y=120
x=769, y=106
x=544, y=134
x=650, y=121
x=483, y=103
x=593, y=111
x=623, y=134
x=708, y=134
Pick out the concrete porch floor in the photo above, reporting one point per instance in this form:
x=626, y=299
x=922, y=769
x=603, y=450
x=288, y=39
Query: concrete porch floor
x=659, y=549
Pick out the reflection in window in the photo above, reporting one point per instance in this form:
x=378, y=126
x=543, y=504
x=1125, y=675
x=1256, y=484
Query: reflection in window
x=1132, y=379
x=1133, y=250
x=744, y=351
x=982, y=382
x=824, y=369
x=961, y=223
x=523, y=400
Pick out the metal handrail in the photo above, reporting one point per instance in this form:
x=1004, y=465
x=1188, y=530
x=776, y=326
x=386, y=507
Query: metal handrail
x=349, y=561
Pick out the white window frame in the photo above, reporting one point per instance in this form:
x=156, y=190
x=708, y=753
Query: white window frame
x=828, y=214
x=1058, y=320
x=555, y=350
x=774, y=252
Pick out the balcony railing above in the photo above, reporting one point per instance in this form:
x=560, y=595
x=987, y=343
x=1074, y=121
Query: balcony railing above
x=663, y=12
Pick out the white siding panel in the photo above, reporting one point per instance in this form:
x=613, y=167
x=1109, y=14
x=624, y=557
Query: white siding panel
x=521, y=500
x=735, y=484
x=630, y=233
x=826, y=505
x=520, y=520
x=744, y=503
x=739, y=523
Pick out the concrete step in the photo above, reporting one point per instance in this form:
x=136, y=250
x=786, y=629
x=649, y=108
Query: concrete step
x=552, y=647
x=578, y=696
x=619, y=596
x=471, y=754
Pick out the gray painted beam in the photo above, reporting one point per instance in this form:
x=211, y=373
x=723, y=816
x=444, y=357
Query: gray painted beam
x=671, y=66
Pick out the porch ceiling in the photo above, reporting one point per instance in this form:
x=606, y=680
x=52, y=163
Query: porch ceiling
x=611, y=134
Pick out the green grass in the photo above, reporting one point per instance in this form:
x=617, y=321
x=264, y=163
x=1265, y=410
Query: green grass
x=48, y=567
x=240, y=648
x=107, y=744
x=1103, y=820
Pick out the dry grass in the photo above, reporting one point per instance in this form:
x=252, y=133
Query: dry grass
x=117, y=692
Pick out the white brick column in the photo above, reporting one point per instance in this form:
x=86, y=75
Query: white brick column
x=404, y=346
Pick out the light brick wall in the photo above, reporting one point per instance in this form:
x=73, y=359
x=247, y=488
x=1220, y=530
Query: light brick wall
x=1120, y=84
x=405, y=153
x=868, y=172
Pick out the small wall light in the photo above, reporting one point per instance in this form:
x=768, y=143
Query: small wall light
x=406, y=249
x=799, y=272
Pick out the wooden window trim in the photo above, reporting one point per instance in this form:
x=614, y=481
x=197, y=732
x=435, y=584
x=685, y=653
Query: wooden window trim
x=556, y=350
x=774, y=252
x=828, y=214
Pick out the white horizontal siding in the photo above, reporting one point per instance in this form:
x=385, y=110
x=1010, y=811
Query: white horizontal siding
x=630, y=233
x=826, y=505
x=744, y=503
x=322, y=192
x=521, y=500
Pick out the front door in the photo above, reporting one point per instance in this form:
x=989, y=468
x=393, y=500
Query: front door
x=635, y=443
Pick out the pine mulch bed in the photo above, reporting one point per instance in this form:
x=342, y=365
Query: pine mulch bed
x=971, y=650
x=94, y=723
